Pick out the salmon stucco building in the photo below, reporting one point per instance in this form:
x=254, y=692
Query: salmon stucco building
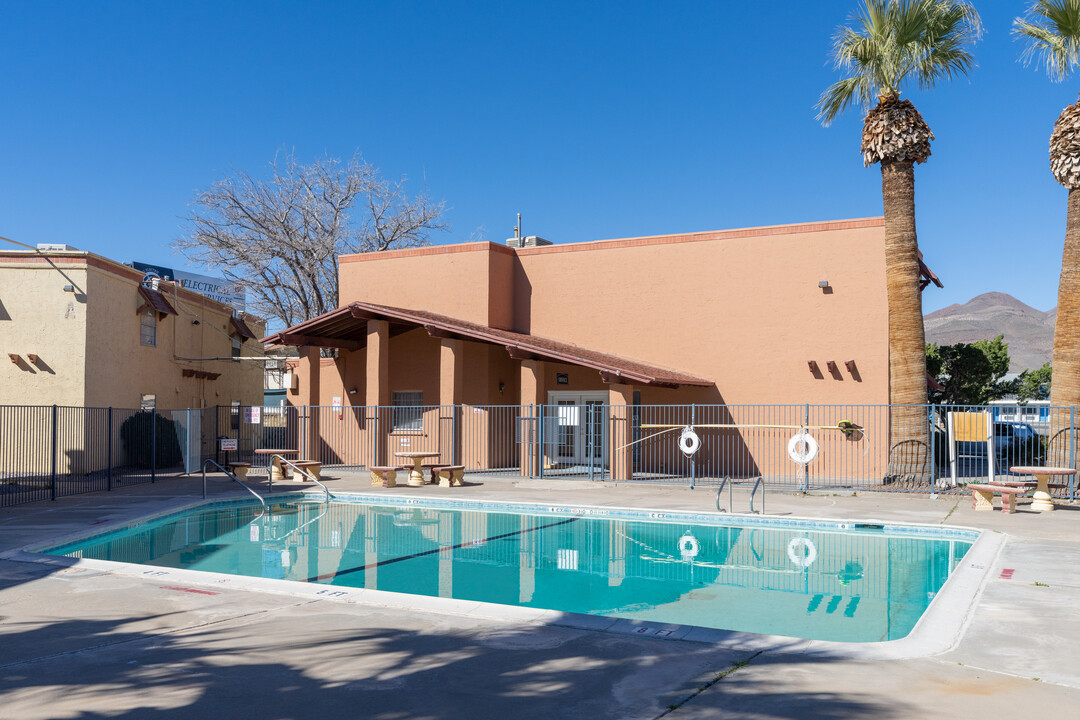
x=792, y=314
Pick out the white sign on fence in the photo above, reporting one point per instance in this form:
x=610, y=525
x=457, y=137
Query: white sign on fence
x=229, y=443
x=252, y=415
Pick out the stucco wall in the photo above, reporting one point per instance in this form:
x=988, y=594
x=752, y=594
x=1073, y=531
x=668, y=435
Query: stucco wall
x=38, y=317
x=87, y=341
x=119, y=369
x=741, y=307
x=472, y=281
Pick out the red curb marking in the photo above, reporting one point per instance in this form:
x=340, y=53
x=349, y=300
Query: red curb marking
x=189, y=590
x=1007, y=573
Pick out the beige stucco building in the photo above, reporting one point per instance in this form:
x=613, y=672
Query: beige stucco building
x=80, y=330
x=783, y=315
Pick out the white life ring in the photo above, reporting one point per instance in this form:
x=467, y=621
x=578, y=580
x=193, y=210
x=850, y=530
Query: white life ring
x=688, y=546
x=807, y=452
x=689, y=442
x=808, y=557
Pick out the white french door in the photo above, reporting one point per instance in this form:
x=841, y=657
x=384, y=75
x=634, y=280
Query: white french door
x=579, y=426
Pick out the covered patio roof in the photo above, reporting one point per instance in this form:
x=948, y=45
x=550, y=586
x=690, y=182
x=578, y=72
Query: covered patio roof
x=346, y=328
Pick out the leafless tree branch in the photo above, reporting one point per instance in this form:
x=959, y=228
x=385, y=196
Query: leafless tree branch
x=280, y=237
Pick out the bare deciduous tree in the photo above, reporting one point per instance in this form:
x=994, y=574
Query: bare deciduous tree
x=280, y=237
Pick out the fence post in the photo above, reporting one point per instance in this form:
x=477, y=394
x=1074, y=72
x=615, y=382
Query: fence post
x=693, y=462
x=806, y=467
x=1072, y=450
x=108, y=439
x=453, y=434
x=540, y=461
x=153, y=443
x=217, y=435
x=931, y=414
x=52, y=460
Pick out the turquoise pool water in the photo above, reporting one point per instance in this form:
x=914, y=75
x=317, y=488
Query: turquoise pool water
x=859, y=584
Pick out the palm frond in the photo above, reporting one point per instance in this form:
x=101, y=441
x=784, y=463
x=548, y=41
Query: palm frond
x=1051, y=31
x=891, y=42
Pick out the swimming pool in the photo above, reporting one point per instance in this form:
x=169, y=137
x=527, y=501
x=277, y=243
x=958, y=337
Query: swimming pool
x=801, y=578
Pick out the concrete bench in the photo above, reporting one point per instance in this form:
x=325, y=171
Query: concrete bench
x=239, y=469
x=449, y=475
x=433, y=469
x=384, y=476
x=983, y=497
x=312, y=466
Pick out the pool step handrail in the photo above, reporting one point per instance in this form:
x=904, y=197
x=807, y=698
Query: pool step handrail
x=221, y=469
x=305, y=473
x=725, y=482
x=759, y=484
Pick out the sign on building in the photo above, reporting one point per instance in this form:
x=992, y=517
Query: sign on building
x=214, y=288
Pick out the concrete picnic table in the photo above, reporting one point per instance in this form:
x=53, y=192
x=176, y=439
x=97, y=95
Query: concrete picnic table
x=1040, y=498
x=416, y=473
x=276, y=473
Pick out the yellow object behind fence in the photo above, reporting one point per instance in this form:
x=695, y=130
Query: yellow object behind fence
x=970, y=426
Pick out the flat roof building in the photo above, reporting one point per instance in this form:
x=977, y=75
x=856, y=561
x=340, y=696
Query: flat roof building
x=788, y=314
x=81, y=330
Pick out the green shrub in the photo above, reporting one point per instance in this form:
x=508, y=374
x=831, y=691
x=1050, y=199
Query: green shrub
x=135, y=434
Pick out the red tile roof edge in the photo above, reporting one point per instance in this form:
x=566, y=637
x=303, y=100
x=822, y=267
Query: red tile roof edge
x=631, y=370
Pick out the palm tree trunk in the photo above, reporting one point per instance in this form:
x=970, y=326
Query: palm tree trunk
x=1065, y=386
x=909, y=449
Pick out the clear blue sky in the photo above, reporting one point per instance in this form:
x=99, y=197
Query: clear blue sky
x=593, y=119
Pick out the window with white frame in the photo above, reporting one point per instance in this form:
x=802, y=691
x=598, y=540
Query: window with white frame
x=148, y=328
x=407, y=412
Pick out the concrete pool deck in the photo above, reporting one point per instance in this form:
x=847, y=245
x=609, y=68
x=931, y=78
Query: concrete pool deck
x=76, y=642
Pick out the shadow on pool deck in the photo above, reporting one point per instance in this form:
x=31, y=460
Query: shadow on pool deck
x=317, y=660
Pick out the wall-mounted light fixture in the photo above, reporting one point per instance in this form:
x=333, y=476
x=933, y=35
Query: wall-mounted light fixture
x=850, y=365
x=352, y=391
x=502, y=386
x=831, y=365
x=196, y=322
x=823, y=284
x=69, y=288
x=813, y=365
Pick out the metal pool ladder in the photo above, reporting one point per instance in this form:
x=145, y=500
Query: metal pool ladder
x=211, y=462
x=726, y=482
x=305, y=473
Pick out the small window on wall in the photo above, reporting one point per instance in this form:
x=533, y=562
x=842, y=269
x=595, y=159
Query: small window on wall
x=147, y=402
x=235, y=346
x=148, y=328
x=407, y=413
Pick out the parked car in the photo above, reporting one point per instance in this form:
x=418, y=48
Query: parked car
x=1015, y=443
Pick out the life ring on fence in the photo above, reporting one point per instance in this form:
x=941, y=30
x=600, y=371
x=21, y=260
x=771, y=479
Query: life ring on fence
x=809, y=555
x=688, y=546
x=809, y=449
x=689, y=442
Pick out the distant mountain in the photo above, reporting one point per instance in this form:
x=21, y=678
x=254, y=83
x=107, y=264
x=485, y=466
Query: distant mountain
x=1029, y=332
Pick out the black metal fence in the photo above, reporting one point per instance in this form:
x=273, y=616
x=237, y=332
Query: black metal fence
x=48, y=452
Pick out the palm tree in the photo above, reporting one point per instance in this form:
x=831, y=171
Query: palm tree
x=889, y=43
x=1051, y=30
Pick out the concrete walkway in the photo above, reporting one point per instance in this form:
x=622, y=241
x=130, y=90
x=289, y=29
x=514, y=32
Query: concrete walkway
x=81, y=643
